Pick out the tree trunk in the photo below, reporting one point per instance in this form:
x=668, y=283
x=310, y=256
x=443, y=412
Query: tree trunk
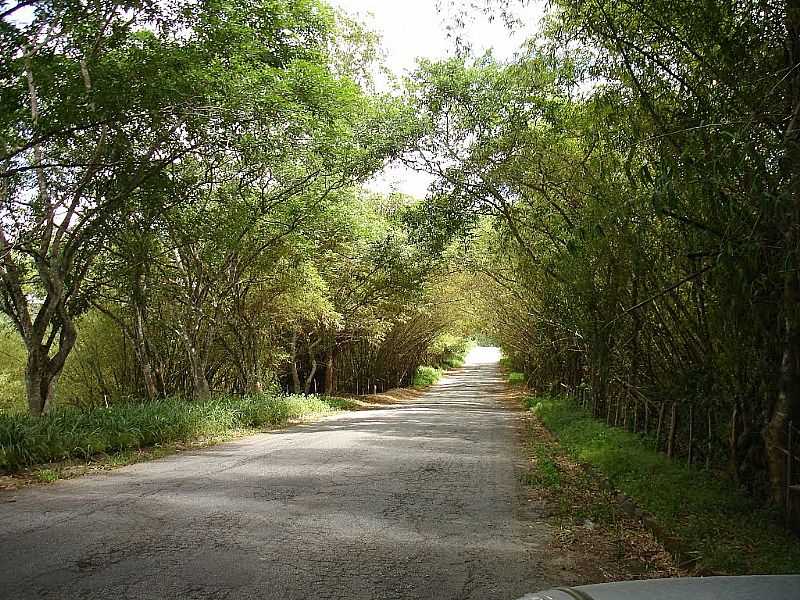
x=197, y=362
x=39, y=381
x=673, y=427
x=293, y=358
x=142, y=356
x=202, y=390
x=140, y=344
x=197, y=370
x=254, y=384
x=42, y=371
x=149, y=379
x=785, y=408
x=311, y=374
x=330, y=374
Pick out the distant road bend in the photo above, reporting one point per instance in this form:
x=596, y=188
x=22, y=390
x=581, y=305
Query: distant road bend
x=415, y=501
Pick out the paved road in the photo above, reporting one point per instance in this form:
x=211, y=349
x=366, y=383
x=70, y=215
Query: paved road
x=415, y=501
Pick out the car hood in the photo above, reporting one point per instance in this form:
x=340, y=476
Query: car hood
x=753, y=587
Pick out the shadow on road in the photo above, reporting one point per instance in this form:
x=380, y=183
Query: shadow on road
x=413, y=501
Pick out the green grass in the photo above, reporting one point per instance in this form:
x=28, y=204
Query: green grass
x=71, y=433
x=47, y=475
x=546, y=474
x=453, y=362
x=426, y=376
x=515, y=378
x=706, y=514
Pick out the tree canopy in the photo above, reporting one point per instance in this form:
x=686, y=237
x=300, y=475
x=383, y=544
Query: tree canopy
x=629, y=183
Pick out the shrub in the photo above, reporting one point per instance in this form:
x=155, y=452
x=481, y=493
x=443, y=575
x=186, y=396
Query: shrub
x=516, y=378
x=426, y=376
x=449, y=351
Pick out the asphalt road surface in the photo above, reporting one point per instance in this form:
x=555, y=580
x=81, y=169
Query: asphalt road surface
x=417, y=501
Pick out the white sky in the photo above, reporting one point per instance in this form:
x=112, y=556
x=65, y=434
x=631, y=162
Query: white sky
x=412, y=29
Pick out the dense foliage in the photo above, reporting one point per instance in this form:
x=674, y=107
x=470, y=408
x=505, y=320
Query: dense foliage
x=182, y=210
x=630, y=186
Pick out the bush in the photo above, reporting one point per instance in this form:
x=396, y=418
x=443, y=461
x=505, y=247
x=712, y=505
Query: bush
x=516, y=378
x=68, y=433
x=449, y=351
x=425, y=376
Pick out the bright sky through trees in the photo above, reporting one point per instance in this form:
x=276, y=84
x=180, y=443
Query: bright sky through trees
x=413, y=29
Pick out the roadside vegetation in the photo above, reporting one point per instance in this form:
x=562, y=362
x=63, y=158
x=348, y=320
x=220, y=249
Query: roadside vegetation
x=711, y=525
x=594, y=535
x=426, y=376
x=448, y=352
x=630, y=216
x=73, y=433
x=516, y=378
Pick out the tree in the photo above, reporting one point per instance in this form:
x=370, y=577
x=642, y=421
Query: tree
x=717, y=85
x=68, y=164
x=644, y=214
x=82, y=161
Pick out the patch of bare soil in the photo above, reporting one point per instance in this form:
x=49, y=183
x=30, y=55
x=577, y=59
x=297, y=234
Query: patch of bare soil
x=387, y=398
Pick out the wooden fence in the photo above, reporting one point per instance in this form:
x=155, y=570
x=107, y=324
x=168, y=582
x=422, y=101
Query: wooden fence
x=583, y=396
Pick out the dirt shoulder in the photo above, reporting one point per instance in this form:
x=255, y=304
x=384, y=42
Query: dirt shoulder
x=595, y=539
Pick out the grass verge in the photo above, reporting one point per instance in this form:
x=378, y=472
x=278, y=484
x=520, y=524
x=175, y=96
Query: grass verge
x=594, y=540
x=72, y=434
x=706, y=516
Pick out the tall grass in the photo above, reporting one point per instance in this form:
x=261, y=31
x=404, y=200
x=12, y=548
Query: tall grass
x=69, y=433
x=711, y=518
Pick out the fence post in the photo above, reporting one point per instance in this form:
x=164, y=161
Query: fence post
x=691, y=433
x=789, y=460
x=710, y=446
